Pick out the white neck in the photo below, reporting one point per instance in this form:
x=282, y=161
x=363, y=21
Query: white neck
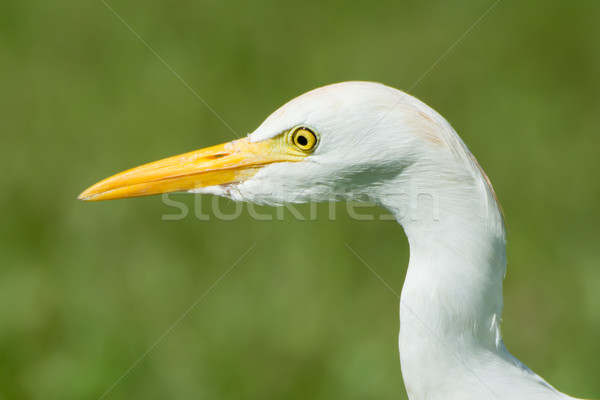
x=457, y=263
x=451, y=302
x=453, y=286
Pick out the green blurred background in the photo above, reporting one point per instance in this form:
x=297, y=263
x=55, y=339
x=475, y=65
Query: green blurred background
x=87, y=288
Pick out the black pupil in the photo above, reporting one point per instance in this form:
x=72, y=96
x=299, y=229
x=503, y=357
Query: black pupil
x=302, y=140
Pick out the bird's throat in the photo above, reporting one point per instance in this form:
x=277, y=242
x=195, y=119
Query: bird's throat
x=452, y=297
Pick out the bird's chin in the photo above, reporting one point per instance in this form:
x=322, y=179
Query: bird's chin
x=225, y=190
x=233, y=191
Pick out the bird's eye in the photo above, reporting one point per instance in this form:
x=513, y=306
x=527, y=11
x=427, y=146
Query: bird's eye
x=304, y=138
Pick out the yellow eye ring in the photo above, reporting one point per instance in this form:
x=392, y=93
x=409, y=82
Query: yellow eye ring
x=304, y=138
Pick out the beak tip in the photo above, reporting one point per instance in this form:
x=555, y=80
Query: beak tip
x=86, y=195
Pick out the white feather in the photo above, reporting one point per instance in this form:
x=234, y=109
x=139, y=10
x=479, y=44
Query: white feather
x=381, y=143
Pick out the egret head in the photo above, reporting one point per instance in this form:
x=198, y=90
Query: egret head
x=346, y=139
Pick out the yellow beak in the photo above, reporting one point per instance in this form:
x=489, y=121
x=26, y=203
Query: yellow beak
x=222, y=164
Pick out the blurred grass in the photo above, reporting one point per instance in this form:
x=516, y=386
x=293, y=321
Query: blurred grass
x=86, y=289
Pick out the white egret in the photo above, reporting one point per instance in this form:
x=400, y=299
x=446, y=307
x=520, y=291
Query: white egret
x=362, y=139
